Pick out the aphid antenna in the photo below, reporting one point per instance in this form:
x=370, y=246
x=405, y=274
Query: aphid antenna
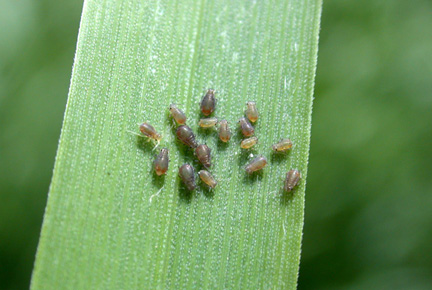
x=156, y=194
x=209, y=88
x=135, y=133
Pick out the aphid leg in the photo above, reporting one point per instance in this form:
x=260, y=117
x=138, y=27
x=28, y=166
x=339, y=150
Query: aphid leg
x=157, y=145
x=156, y=194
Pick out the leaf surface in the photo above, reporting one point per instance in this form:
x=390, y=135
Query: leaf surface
x=110, y=222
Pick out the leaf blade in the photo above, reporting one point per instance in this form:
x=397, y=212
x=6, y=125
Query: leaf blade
x=126, y=227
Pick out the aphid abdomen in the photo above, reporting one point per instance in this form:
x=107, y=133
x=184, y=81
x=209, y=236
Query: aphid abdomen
x=161, y=162
x=258, y=163
x=283, y=145
x=187, y=174
x=207, y=122
x=203, y=153
x=252, y=112
x=224, y=131
x=149, y=131
x=187, y=136
x=292, y=179
x=207, y=178
x=249, y=142
x=208, y=102
x=246, y=127
x=177, y=114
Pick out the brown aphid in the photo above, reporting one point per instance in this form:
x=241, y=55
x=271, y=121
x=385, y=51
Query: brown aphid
x=283, y=145
x=224, y=131
x=208, y=102
x=252, y=112
x=203, y=153
x=258, y=163
x=187, y=174
x=186, y=135
x=249, y=142
x=292, y=178
x=246, y=127
x=207, y=178
x=208, y=122
x=161, y=162
x=149, y=131
x=177, y=114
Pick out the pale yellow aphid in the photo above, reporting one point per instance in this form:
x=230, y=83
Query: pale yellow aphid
x=208, y=122
x=249, y=142
x=177, y=114
x=283, y=145
x=252, y=112
x=224, y=131
x=207, y=178
x=258, y=163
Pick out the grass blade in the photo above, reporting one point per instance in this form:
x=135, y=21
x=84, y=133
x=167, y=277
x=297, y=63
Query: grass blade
x=110, y=222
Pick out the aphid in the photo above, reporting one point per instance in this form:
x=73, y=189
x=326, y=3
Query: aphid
x=208, y=122
x=292, y=178
x=161, y=162
x=258, y=163
x=252, y=112
x=283, y=145
x=249, y=142
x=246, y=127
x=207, y=178
x=224, y=131
x=149, y=131
x=203, y=153
x=187, y=174
x=186, y=135
x=177, y=114
x=208, y=102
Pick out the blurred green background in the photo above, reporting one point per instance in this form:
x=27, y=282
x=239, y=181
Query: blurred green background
x=369, y=194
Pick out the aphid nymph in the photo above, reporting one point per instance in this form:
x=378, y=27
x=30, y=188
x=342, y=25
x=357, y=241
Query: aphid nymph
x=283, y=145
x=149, y=131
x=207, y=122
x=187, y=175
x=208, y=102
x=186, y=135
x=207, y=178
x=246, y=127
x=203, y=153
x=292, y=179
x=177, y=114
x=252, y=112
x=249, y=142
x=224, y=131
x=161, y=162
x=258, y=163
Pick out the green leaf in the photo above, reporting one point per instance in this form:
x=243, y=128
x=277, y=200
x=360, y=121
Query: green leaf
x=110, y=221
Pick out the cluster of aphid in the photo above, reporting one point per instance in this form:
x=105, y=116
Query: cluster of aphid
x=203, y=153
